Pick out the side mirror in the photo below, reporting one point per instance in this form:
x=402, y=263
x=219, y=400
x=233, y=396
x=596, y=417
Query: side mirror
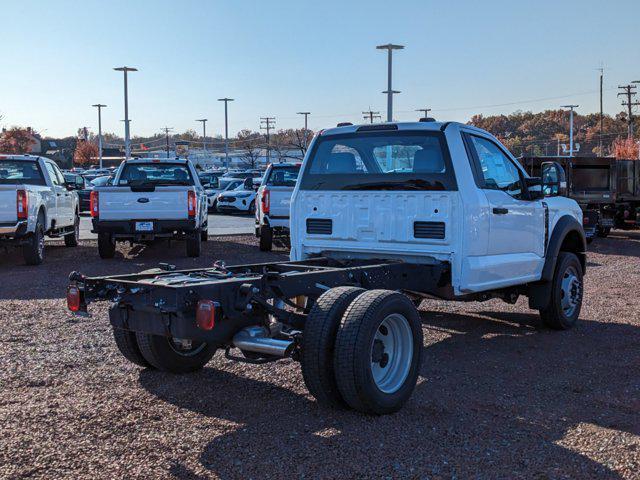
x=70, y=186
x=554, y=180
x=534, y=188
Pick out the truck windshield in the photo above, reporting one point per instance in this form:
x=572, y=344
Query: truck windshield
x=283, y=176
x=135, y=174
x=13, y=172
x=397, y=160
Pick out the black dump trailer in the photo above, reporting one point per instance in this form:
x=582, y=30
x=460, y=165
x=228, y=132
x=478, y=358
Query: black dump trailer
x=627, y=208
x=592, y=182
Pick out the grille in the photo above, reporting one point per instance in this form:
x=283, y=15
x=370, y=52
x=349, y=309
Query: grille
x=227, y=199
x=428, y=230
x=319, y=226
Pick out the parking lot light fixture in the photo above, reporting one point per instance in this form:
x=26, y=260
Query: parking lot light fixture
x=127, y=137
x=570, y=107
x=99, y=106
x=204, y=132
x=390, y=47
x=226, y=129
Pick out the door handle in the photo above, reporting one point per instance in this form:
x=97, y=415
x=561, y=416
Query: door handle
x=500, y=211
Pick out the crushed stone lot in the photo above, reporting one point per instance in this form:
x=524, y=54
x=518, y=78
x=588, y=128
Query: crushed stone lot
x=499, y=396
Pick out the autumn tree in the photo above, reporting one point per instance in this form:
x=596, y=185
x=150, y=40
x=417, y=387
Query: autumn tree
x=16, y=140
x=626, y=148
x=85, y=153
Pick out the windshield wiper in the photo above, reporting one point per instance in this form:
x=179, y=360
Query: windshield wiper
x=412, y=184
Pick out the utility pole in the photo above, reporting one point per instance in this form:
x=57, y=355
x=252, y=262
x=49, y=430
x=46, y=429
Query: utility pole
x=390, y=91
x=166, y=134
x=600, y=152
x=204, y=132
x=570, y=107
x=425, y=111
x=267, y=123
x=99, y=106
x=370, y=114
x=306, y=115
x=127, y=137
x=629, y=91
x=226, y=130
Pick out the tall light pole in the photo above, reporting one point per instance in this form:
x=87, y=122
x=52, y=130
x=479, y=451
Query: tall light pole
x=306, y=114
x=127, y=138
x=99, y=106
x=204, y=132
x=390, y=91
x=570, y=107
x=226, y=130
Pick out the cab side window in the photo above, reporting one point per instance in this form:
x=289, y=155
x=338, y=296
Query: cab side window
x=498, y=171
x=55, y=179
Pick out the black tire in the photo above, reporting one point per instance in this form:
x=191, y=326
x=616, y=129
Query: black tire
x=252, y=208
x=33, y=249
x=160, y=352
x=128, y=346
x=194, y=244
x=71, y=240
x=204, y=233
x=554, y=315
x=318, y=343
x=589, y=240
x=266, y=238
x=603, y=232
x=355, y=347
x=106, y=246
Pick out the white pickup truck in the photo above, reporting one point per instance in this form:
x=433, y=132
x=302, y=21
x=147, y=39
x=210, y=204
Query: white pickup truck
x=150, y=199
x=35, y=201
x=382, y=216
x=274, y=202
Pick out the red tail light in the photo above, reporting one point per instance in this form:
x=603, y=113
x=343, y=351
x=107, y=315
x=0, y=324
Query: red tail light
x=22, y=205
x=206, y=314
x=191, y=203
x=73, y=298
x=266, y=201
x=94, y=204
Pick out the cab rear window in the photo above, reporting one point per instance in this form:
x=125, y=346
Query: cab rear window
x=155, y=174
x=13, y=172
x=283, y=176
x=397, y=160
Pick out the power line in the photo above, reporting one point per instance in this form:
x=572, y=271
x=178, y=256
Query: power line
x=166, y=133
x=629, y=91
x=267, y=123
x=425, y=111
x=370, y=114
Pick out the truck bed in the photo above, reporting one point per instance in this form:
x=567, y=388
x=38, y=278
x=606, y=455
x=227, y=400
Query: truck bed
x=158, y=203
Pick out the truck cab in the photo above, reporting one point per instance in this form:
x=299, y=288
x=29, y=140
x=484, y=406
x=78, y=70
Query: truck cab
x=426, y=191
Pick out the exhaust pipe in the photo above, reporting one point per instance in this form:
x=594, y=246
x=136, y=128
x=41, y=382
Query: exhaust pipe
x=256, y=339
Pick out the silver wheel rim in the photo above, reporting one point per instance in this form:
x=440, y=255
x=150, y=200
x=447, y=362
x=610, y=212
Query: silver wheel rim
x=570, y=291
x=179, y=348
x=391, y=353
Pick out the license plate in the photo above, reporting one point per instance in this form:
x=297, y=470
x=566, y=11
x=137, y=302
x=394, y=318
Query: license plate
x=144, y=226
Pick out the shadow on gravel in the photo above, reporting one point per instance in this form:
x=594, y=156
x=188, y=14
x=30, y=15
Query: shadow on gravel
x=49, y=280
x=496, y=398
x=619, y=242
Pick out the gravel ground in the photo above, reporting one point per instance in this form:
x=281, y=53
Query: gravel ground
x=498, y=396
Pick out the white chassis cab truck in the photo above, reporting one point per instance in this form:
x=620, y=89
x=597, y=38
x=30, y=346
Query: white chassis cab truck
x=273, y=204
x=150, y=199
x=35, y=201
x=381, y=217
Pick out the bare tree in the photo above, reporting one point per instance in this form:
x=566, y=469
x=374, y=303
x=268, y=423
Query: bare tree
x=250, y=143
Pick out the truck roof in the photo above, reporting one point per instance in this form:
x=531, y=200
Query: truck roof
x=429, y=126
x=28, y=158
x=156, y=160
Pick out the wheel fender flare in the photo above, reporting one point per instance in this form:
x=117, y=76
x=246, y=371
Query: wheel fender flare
x=566, y=225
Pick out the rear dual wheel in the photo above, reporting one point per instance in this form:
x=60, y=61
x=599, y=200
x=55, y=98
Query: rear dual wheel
x=362, y=349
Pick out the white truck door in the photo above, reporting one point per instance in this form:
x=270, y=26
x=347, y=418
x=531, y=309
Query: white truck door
x=515, y=251
x=57, y=207
x=66, y=211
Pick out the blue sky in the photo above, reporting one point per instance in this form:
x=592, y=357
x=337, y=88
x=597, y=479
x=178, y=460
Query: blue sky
x=280, y=57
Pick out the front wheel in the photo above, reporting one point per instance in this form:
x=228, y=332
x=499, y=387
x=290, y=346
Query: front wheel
x=172, y=355
x=603, y=232
x=377, y=352
x=565, y=301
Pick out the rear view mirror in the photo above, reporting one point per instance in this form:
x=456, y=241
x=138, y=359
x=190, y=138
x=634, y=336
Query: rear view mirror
x=554, y=180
